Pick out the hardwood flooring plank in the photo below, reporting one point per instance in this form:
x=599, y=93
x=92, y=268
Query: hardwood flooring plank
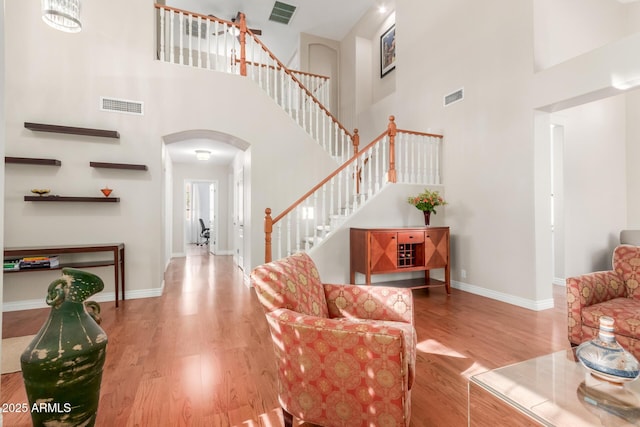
x=201, y=354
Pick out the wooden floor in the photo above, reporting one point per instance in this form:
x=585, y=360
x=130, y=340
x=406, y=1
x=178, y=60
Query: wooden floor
x=200, y=355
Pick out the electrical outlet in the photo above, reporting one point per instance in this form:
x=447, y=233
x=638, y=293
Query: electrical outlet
x=463, y=273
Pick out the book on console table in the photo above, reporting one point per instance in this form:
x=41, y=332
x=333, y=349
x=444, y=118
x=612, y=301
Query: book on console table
x=11, y=264
x=39, y=262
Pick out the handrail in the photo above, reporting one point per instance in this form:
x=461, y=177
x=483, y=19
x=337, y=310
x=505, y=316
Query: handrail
x=186, y=12
x=413, y=132
x=324, y=181
x=269, y=221
x=305, y=73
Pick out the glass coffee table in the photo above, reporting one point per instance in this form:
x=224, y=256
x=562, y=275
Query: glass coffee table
x=551, y=390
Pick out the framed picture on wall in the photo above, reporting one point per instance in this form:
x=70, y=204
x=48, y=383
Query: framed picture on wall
x=388, y=51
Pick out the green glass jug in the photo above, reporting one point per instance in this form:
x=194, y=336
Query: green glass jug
x=62, y=366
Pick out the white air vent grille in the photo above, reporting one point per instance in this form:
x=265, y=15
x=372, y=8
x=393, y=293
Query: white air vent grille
x=454, y=97
x=121, y=106
x=282, y=12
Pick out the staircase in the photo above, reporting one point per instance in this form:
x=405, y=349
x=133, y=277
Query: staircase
x=396, y=156
x=404, y=156
x=190, y=39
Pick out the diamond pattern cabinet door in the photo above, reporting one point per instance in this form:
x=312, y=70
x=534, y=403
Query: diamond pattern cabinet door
x=437, y=248
x=383, y=250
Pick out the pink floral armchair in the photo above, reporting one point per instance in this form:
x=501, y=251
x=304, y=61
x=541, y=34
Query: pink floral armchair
x=614, y=293
x=345, y=353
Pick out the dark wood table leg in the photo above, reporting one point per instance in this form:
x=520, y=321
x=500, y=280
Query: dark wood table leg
x=116, y=266
x=447, y=278
x=122, y=272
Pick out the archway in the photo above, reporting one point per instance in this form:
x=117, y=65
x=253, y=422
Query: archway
x=226, y=155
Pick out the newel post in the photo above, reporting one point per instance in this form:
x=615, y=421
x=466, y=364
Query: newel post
x=243, y=45
x=268, y=228
x=355, y=141
x=392, y=149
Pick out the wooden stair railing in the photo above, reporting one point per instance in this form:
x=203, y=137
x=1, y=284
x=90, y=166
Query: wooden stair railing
x=301, y=104
x=317, y=84
x=208, y=42
x=396, y=155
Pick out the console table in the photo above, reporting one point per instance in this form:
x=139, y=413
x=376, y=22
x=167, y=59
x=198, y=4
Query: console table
x=393, y=250
x=117, y=249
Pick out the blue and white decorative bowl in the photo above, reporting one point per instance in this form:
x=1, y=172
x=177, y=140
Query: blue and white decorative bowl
x=606, y=359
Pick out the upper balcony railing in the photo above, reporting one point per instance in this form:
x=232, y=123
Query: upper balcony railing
x=201, y=41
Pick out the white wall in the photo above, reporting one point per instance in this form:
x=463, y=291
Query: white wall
x=595, y=184
x=168, y=201
x=632, y=159
x=588, y=77
x=488, y=146
x=568, y=28
x=2, y=145
x=183, y=172
x=63, y=76
x=366, y=99
x=632, y=18
x=321, y=56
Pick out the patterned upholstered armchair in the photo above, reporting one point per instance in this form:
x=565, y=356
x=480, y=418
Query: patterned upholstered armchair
x=614, y=293
x=345, y=353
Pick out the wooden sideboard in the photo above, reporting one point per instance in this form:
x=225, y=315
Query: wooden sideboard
x=393, y=250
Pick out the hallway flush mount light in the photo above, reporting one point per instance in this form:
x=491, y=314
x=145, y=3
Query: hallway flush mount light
x=203, y=154
x=63, y=15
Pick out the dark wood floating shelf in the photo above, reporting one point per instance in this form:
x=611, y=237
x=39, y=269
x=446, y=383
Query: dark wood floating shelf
x=71, y=130
x=128, y=166
x=71, y=199
x=32, y=161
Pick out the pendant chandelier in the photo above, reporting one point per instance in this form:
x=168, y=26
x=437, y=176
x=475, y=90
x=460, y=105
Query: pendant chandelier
x=63, y=15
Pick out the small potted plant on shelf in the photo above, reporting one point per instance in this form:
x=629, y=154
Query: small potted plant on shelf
x=427, y=202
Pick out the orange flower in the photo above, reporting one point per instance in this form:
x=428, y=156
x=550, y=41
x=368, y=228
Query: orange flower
x=427, y=201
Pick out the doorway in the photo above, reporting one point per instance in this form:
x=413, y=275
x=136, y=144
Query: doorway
x=238, y=216
x=201, y=203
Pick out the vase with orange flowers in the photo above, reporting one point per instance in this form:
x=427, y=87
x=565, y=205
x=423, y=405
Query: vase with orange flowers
x=427, y=203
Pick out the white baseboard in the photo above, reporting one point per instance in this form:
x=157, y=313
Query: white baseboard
x=225, y=252
x=559, y=281
x=499, y=296
x=246, y=278
x=101, y=297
